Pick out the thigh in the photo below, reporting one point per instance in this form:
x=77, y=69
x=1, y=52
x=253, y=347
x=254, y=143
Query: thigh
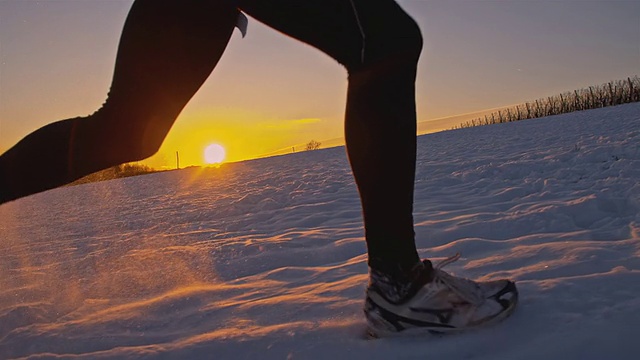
x=343, y=29
x=167, y=50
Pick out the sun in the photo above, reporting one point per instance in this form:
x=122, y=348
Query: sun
x=214, y=154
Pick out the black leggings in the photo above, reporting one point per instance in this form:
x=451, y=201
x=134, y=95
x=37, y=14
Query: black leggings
x=169, y=48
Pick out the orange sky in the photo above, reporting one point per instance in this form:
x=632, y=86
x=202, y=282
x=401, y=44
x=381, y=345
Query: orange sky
x=270, y=93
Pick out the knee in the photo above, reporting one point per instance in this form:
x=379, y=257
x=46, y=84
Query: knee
x=135, y=144
x=398, y=45
x=114, y=139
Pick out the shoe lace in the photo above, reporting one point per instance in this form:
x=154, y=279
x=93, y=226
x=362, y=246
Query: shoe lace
x=466, y=289
x=447, y=261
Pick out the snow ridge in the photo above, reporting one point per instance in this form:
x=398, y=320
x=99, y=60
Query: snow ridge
x=266, y=259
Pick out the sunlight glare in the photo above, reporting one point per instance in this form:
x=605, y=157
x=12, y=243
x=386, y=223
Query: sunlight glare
x=214, y=154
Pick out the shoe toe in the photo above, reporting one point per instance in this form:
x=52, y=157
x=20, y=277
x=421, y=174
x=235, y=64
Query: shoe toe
x=505, y=293
x=498, y=289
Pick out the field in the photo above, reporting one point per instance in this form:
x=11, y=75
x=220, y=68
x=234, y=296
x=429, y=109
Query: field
x=265, y=259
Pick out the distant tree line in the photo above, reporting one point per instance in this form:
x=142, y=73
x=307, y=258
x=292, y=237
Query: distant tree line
x=608, y=94
x=116, y=172
x=313, y=145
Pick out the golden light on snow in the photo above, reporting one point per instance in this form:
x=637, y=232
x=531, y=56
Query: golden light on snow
x=214, y=154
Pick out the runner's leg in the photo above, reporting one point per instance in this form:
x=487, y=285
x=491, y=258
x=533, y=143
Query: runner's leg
x=380, y=123
x=167, y=50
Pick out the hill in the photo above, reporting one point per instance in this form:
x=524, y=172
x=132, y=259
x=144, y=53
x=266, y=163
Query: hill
x=265, y=259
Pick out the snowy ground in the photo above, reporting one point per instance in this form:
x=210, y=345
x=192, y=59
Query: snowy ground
x=265, y=259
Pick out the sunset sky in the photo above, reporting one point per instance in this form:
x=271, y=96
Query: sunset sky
x=270, y=92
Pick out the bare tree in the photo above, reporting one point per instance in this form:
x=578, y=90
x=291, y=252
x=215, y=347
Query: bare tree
x=313, y=145
x=609, y=94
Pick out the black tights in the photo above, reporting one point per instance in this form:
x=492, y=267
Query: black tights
x=169, y=48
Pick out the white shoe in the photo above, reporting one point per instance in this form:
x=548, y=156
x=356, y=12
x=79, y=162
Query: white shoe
x=435, y=301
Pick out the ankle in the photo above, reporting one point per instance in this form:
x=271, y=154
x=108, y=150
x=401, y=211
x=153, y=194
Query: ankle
x=397, y=269
x=396, y=283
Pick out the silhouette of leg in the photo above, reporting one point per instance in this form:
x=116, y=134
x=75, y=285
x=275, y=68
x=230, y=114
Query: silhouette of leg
x=380, y=121
x=167, y=50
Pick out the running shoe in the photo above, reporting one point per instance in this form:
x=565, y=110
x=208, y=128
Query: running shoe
x=430, y=300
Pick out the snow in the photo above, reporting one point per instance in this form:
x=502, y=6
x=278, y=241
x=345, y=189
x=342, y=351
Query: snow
x=265, y=259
